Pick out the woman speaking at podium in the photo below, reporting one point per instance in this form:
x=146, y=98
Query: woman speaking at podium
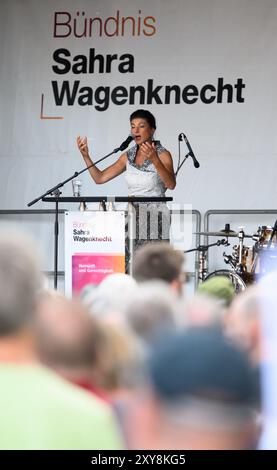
x=149, y=172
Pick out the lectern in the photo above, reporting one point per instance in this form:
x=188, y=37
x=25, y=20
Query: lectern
x=102, y=200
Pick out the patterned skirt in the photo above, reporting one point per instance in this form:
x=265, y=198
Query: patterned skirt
x=145, y=223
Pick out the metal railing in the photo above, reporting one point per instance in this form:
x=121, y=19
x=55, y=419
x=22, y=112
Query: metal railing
x=197, y=225
x=195, y=273
x=26, y=212
x=39, y=212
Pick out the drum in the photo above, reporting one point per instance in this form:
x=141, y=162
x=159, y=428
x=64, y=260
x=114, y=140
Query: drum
x=237, y=281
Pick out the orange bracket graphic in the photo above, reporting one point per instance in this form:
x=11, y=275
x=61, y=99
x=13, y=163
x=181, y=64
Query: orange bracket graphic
x=41, y=111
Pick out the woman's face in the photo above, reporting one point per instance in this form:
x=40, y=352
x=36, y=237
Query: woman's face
x=141, y=131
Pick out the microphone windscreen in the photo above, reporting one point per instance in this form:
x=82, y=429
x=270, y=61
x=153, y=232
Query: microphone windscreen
x=126, y=142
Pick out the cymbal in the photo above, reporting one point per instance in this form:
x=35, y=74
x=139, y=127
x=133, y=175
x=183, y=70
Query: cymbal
x=222, y=233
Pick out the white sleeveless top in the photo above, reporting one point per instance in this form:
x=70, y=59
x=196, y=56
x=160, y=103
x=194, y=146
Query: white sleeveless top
x=143, y=180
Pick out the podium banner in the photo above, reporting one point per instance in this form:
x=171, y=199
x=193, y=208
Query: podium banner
x=94, y=247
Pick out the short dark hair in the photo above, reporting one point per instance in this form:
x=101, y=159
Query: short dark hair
x=144, y=114
x=157, y=261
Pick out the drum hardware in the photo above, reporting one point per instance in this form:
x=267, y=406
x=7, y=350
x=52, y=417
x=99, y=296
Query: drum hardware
x=202, y=266
x=218, y=234
x=238, y=261
x=245, y=262
x=247, y=258
x=237, y=281
x=240, y=267
x=229, y=259
x=237, y=273
x=242, y=261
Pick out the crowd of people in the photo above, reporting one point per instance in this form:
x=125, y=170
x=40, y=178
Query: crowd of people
x=133, y=363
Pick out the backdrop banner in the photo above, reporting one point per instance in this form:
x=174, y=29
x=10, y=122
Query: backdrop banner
x=205, y=68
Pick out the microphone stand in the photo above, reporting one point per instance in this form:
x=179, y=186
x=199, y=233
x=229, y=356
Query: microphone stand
x=179, y=156
x=180, y=166
x=55, y=191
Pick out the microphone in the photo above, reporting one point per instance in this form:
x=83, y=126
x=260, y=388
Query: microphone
x=195, y=162
x=126, y=142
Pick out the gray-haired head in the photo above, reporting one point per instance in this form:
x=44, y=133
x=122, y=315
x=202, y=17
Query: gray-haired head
x=20, y=280
x=111, y=296
x=153, y=311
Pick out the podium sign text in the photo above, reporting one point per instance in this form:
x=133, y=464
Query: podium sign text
x=94, y=247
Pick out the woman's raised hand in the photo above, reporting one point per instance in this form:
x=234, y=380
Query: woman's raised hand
x=149, y=151
x=83, y=146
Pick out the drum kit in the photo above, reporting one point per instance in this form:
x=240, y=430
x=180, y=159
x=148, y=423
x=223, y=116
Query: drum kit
x=245, y=263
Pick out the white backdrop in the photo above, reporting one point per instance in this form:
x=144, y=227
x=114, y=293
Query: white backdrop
x=195, y=42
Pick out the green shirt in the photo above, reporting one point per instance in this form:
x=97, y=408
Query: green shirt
x=40, y=410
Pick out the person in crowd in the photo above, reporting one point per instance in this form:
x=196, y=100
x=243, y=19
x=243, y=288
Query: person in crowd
x=39, y=410
x=208, y=306
x=268, y=354
x=218, y=287
x=69, y=341
x=243, y=323
x=197, y=395
x=82, y=347
x=204, y=311
x=159, y=261
x=154, y=312
x=106, y=299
